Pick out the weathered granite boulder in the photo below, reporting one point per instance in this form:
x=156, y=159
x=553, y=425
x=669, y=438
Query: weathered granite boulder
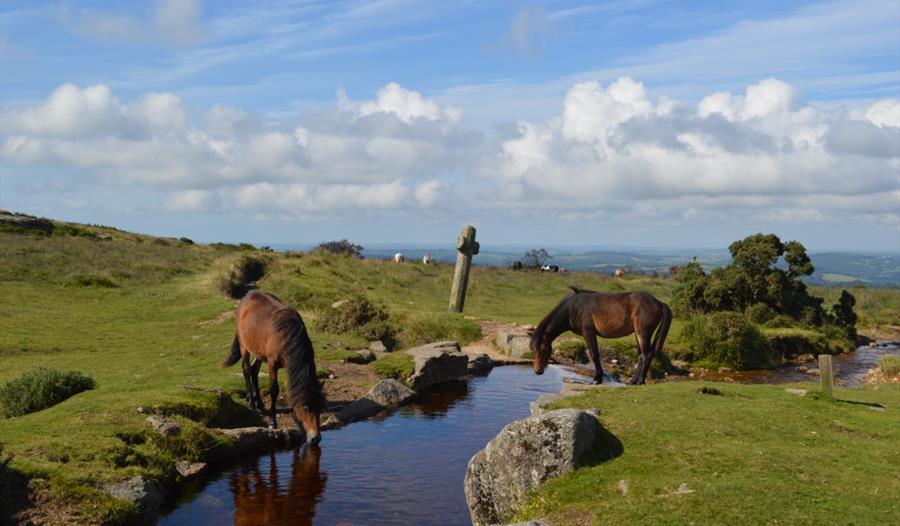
x=386, y=394
x=164, y=426
x=253, y=439
x=523, y=456
x=377, y=346
x=390, y=393
x=513, y=341
x=437, y=363
x=143, y=493
x=480, y=364
x=187, y=469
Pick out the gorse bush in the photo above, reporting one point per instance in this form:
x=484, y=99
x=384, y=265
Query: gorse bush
x=359, y=316
x=726, y=338
x=343, y=246
x=39, y=389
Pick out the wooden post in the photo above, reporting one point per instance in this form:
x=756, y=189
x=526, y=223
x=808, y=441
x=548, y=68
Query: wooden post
x=466, y=247
x=825, y=373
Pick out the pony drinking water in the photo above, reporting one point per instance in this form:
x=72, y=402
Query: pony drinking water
x=274, y=333
x=590, y=314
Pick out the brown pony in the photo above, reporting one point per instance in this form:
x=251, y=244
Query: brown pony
x=591, y=314
x=274, y=333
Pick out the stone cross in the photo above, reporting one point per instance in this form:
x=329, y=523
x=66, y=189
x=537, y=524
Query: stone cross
x=466, y=247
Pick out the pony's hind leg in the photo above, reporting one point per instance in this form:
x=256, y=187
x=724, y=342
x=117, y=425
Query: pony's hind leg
x=645, y=356
x=590, y=339
x=273, y=392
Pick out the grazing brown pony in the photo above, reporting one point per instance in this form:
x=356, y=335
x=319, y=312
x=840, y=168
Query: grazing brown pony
x=591, y=314
x=274, y=333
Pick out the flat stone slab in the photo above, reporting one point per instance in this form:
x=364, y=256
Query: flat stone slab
x=436, y=363
x=254, y=439
x=513, y=341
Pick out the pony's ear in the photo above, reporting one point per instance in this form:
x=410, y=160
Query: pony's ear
x=575, y=289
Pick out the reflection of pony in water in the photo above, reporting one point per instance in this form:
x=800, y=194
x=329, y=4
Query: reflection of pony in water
x=274, y=333
x=592, y=314
x=260, y=500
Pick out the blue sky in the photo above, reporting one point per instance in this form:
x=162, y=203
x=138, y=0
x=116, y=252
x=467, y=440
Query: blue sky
x=644, y=123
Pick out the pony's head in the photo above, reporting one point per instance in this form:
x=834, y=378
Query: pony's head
x=307, y=415
x=540, y=348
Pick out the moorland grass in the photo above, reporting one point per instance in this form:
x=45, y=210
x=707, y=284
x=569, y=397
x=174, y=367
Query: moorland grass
x=754, y=455
x=151, y=341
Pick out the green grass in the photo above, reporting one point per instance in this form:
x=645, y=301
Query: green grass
x=398, y=365
x=755, y=455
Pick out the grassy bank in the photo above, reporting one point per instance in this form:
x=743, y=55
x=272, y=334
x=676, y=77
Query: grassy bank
x=754, y=455
x=147, y=319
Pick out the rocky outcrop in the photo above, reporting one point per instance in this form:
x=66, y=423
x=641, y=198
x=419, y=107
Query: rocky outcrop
x=386, y=394
x=436, y=363
x=523, y=456
x=255, y=439
x=143, y=493
x=480, y=364
x=513, y=341
x=164, y=426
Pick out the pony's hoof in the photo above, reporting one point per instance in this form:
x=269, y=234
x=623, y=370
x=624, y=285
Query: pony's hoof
x=597, y=381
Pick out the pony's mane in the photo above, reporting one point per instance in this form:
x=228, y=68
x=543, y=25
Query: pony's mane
x=303, y=385
x=561, y=308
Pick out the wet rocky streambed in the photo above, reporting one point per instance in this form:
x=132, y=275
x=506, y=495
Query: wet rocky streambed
x=408, y=467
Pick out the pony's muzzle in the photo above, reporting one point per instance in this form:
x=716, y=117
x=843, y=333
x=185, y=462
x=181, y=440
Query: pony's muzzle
x=539, y=371
x=314, y=440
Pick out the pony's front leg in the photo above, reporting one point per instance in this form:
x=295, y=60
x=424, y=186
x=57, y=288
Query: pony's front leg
x=273, y=392
x=248, y=381
x=254, y=379
x=590, y=338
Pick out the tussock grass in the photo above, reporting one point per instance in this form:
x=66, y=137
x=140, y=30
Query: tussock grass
x=398, y=365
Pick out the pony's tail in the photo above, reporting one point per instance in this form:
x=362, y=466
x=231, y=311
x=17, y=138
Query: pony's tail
x=663, y=329
x=235, y=353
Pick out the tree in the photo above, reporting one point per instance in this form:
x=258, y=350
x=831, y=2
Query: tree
x=843, y=313
x=752, y=279
x=535, y=259
x=340, y=247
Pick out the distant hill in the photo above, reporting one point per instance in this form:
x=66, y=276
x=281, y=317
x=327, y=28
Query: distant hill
x=832, y=268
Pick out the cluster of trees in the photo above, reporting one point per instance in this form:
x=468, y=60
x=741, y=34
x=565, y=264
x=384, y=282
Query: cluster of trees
x=764, y=280
x=343, y=246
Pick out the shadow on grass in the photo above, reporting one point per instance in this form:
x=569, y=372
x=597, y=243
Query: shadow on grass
x=16, y=497
x=606, y=447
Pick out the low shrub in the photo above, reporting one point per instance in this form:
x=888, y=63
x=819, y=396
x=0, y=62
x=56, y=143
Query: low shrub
x=726, y=338
x=761, y=313
x=41, y=388
x=247, y=269
x=359, y=316
x=398, y=365
x=92, y=280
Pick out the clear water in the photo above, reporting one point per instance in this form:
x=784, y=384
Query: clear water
x=406, y=468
